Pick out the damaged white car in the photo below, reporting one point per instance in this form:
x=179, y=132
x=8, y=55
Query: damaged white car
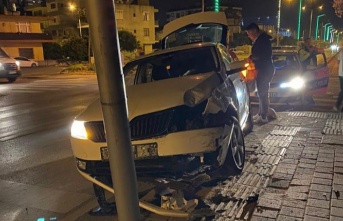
x=187, y=108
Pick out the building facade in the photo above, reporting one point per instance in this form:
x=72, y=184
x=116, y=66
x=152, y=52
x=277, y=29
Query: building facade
x=66, y=19
x=23, y=36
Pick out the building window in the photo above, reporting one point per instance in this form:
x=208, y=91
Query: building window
x=146, y=32
x=23, y=27
x=53, y=6
x=26, y=52
x=134, y=31
x=145, y=16
x=134, y=15
x=119, y=14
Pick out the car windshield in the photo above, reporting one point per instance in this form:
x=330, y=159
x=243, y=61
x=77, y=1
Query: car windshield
x=170, y=65
x=285, y=62
x=195, y=33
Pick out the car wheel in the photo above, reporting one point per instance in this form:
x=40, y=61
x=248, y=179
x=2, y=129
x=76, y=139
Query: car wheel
x=33, y=65
x=11, y=80
x=236, y=155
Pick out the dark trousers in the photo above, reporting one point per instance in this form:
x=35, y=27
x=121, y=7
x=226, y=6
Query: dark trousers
x=340, y=95
x=263, y=79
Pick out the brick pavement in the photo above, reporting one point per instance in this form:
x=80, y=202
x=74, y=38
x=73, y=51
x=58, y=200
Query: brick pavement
x=295, y=164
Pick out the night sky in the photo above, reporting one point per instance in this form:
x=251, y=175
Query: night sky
x=265, y=8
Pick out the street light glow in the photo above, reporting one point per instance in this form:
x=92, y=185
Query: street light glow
x=72, y=7
x=318, y=17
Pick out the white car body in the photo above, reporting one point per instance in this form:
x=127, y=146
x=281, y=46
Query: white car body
x=26, y=62
x=9, y=67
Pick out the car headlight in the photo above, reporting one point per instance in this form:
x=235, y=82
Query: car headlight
x=17, y=63
x=295, y=83
x=78, y=130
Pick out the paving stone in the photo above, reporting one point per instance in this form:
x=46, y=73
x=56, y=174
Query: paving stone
x=282, y=176
x=294, y=203
x=325, y=159
x=338, y=187
x=318, y=203
x=339, y=164
x=323, y=175
x=318, y=187
x=266, y=213
x=310, y=151
x=309, y=156
x=337, y=203
x=299, y=189
x=334, y=218
x=317, y=212
x=289, y=161
x=303, y=176
x=291, y=211
x=313, y=218
x=284, y=170
x=307, y=165
x=324, y=170
x=327, y=149
x=338, y=181
x=324, y=164
x=293, y=157
x=277, y=183
x=296, y=195
x=327, y=182
x=338, y=158
x=319, y=195
x=309, y=161
x=287, y=218
x=259, y=218
x=301, y=182
x=335, y=211
x=269, y=203
x=304, y=171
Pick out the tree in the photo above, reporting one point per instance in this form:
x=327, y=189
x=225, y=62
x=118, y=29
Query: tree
x=338, y=6
x=52, y=51
x=75, y=48
x=127, y=41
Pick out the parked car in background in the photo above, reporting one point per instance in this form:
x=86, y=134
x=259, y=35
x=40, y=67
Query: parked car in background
x=9, y=67
x=26, y=62
x=295, y=82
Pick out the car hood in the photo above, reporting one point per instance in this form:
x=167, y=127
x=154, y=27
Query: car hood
x=160, y=95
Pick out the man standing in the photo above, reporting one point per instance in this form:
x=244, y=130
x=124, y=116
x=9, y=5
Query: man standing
x=261, y=55
x=308, y=52
x=338, y=106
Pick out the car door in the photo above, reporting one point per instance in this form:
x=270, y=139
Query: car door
x=317, y=75
x=242, y=96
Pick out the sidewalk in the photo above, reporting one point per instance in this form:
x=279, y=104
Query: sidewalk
x=295, y=165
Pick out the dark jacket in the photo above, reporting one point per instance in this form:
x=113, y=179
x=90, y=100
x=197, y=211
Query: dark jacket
x=261, y=52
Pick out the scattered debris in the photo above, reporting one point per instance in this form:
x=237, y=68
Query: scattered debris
x=337, y=193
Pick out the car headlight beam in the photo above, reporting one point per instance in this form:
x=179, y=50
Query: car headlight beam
x=17, y=63
x=296, y=83
x=78, y=130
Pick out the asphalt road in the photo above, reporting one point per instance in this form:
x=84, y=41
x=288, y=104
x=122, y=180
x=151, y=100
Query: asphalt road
x=37, y=173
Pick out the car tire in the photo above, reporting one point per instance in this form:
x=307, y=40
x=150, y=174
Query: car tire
x=11, y=80
x=33, y=65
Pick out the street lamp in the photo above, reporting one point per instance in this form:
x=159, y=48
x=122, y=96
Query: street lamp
x=278, y=24
x=72, y=8
x=328, y=31
x=318, y=17
x=299, y=18
x=324, y=33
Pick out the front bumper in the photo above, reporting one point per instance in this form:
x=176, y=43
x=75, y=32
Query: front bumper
x=281, y=95
x=9, y=74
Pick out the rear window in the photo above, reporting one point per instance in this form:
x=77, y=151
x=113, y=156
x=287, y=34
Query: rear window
x=195, y=33
x=171, y=65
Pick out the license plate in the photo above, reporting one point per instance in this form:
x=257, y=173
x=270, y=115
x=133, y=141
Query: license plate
x=12, y=72
x=140, y=151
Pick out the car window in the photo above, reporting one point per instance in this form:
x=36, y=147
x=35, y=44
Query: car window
x=315, y=62
x=282, y=62
x=171, y=65
x=130, y=76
